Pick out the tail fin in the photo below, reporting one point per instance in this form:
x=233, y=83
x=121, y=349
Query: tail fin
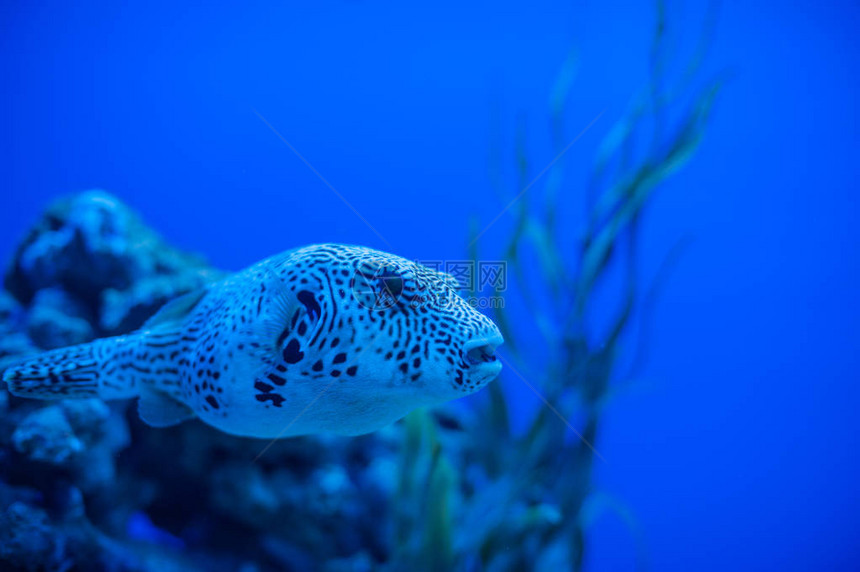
x=72, y=372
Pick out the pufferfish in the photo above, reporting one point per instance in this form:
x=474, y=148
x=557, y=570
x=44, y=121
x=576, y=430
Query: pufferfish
x=326, y=338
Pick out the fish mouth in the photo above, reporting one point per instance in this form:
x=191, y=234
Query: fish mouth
x=481, y=350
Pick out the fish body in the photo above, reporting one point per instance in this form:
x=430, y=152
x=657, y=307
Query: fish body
x=322, y=339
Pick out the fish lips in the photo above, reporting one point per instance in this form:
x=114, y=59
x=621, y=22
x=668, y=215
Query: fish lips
x=479, y=354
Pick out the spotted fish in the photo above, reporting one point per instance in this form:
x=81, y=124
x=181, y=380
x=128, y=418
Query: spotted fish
x=322, y=339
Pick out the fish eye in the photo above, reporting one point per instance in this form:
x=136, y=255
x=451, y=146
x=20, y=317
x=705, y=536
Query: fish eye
x=383, y=283
x=390, y=283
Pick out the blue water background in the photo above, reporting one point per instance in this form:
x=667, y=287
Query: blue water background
x=738, y=447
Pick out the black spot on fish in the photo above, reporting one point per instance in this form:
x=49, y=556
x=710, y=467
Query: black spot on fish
x=312, y=307
x=273, y=397
x=339, y=358
x=293, y=353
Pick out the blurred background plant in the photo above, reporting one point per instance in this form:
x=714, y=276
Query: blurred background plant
x=525, y=499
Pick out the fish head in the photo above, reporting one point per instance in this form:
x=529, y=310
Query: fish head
x=389, y=330
x=424, y=333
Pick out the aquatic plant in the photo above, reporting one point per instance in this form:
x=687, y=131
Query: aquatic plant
x=525, y=501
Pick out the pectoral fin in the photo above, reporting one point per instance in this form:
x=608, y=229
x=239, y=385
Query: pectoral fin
x=175, y=311
x=159, y=410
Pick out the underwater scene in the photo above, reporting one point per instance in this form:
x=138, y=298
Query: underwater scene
x=352, y=285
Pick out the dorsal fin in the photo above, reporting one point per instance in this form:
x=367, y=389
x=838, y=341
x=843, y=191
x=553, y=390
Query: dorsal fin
x=157, y=409
x=175, y=310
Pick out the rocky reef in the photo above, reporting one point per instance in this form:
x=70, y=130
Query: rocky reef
x=85, y=485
